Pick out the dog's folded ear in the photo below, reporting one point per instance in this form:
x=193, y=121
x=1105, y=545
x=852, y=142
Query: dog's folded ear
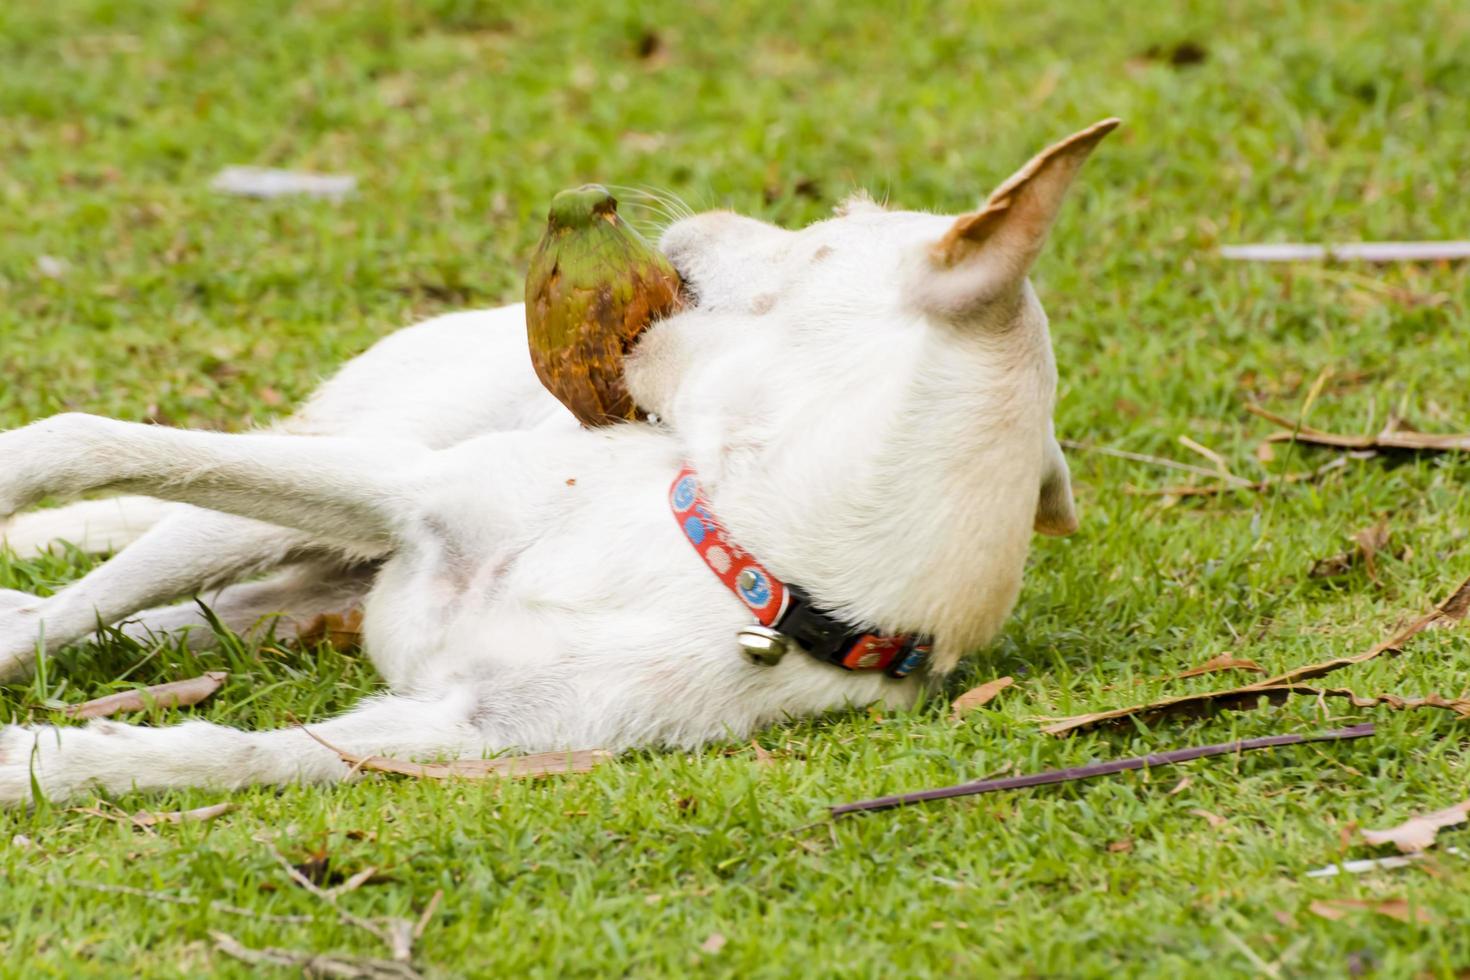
x=1055, y=513
x=987, y=253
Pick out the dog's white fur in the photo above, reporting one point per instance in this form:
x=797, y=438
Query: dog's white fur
x=867, y=402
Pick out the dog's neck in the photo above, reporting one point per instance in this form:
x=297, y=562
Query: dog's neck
x=900, y=507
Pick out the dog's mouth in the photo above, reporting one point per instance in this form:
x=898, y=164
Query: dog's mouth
x=688, y=296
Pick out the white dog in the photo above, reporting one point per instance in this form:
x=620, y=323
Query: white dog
x=851, y=445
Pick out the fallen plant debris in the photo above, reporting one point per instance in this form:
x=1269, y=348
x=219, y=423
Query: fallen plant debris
x=1213, y=819
x=1417, y=833
x=1449, y=251
x=1100, y=769
x=1214, y=665
x=175, y=694
x=1394, y=908
x=396, y=933
x=510, y=766
x=1396, y=434
x=1368, y=543
x=1451, y=610
x=200, y=815
x=315, y=964
x=1374, y=864
x=1227, y=480
x=1258, y=486
x=268, y=182
x=977, y=697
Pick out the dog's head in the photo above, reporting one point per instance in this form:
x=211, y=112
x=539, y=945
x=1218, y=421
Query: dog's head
x=886, y=375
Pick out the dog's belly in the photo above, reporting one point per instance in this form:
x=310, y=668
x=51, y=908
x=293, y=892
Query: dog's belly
x=569, y=576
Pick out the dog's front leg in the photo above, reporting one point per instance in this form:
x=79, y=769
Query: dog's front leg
x=117, y=758
x=352, y=492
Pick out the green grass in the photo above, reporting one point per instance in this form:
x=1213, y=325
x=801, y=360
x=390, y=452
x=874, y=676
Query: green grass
x=1305, y=121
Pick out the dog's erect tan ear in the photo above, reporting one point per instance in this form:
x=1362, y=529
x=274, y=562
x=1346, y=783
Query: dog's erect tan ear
x=1055, y=514
x=992, y=249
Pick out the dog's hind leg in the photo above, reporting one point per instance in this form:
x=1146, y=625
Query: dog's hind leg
x=304, y=602
x=117, y=758
x=185, y=554
x=352, y=492
x=92, y=526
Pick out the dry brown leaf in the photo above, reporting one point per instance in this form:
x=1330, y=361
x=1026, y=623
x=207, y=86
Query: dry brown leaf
x=1326, y=910
x=1285, y=918
x=1368, y=543
x=761, y=755
x=343, y=630
x=1216, y=664
x=1418, y=833
x=1394, y=908
x=175, y=694
x=202, y=814
x=1448, y=612
x=512, y=766
x=714, y=943
x=1120, y=846
x=507, y=766
x=976, y=697
x=1180, y=786
x=1213, y=819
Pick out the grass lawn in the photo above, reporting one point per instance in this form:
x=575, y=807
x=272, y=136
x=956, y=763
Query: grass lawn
x=1246, y=121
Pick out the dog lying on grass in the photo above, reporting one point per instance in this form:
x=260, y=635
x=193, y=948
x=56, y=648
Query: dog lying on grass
x=857, y=414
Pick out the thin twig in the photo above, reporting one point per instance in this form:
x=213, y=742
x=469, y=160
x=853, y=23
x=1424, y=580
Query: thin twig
x=1393, y=436
x=1448, y=251
x=347, y=917
x=1172, y=464
x=1209, y=454
x=1258, y=486
x=1100, y=769
x=315, y=964
x=428, y=913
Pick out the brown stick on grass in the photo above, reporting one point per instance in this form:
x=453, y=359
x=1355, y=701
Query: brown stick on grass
x=1394, y=436
x=1099, y=769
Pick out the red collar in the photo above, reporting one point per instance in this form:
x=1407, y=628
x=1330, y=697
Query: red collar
x=783, y=607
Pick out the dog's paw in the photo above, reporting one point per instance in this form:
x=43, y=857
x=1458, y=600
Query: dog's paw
x=19, y=752
x=19, y=632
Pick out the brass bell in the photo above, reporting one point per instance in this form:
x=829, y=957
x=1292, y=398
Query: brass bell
x=763, y=645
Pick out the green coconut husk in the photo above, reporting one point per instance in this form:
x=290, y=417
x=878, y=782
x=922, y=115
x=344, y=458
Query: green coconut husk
x=594, y=285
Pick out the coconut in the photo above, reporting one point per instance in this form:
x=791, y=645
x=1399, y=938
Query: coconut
x=593, y=287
